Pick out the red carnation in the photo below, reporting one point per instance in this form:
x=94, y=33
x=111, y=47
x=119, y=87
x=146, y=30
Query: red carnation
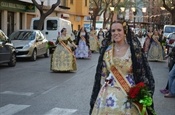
x=134, y=91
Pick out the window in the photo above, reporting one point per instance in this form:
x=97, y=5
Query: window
x=51, y=25
x=85, y=2
x=71, y=1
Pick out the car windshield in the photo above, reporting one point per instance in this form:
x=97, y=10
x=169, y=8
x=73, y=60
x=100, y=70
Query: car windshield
x=22, y=35
x=169, y=29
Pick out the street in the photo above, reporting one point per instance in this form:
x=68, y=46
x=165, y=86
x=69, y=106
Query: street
x=31, y=88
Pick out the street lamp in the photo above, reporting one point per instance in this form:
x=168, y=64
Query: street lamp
x=121, y=14
x=144, y=11
x=134, y=12
x=42, y=2
x=122, y=9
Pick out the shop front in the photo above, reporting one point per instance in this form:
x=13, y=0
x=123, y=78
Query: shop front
x=15, y=15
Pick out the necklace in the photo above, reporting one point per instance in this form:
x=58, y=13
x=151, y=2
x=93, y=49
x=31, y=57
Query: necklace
x=119, y=48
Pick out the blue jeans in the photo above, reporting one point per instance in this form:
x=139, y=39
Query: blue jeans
x=172, y=80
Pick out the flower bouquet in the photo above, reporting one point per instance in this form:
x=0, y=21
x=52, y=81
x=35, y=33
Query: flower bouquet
x=140, y=94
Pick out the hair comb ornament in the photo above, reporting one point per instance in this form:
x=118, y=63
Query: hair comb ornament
x=124, y=23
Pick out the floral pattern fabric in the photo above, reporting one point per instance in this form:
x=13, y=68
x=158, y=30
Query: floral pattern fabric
x=82, y=50
x=112, y=98
x=62, y=59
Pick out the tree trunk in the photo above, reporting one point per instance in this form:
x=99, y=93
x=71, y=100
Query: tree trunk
x=43, y=15
x=41, y=23
x=173, y=17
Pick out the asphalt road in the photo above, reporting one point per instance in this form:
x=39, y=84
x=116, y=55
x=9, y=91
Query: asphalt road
x=31, y=88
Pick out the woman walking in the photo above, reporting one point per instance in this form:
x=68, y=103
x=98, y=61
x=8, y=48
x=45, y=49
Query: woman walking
x=83, y=48
x=63, y=58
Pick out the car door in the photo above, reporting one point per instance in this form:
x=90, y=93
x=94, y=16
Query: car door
x=4, y=51
x=44, y=44
x=40, y=43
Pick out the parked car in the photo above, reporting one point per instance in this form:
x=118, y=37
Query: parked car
x=167, y=29
x=7, y=51
x=29, y=44
x=170, y=40
x=170, y=44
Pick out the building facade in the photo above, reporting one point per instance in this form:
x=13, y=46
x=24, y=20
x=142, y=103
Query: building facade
x=15, y=15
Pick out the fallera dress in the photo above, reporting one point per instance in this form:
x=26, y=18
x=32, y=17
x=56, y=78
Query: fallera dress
x=82, y=50
x=112, y=97
x=155, y=52
x=63, y=58
x=94, y=43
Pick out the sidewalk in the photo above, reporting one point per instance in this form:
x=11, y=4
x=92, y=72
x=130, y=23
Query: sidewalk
x=163, y=106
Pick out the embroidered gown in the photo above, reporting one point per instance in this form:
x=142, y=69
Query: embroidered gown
x=94, y=43
x=82, y=50
x=112, y=97
x=63, y=58
x=155, y=53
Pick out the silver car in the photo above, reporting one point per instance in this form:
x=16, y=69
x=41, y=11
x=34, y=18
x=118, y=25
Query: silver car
x=29, y=44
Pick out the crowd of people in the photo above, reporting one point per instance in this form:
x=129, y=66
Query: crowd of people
x=122, y=65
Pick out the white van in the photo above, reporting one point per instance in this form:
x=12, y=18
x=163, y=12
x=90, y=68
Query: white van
x=168, y=29
x=52, y=27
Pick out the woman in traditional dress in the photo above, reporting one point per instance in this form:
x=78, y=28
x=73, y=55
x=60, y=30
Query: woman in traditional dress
x=101, y=36
x=146, y=44
x=63, y=58
x=121, y=65
x=83, y=48
x=155, y=52
x=93, y=40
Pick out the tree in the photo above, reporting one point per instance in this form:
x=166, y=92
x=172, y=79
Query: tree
x=43, y=14
x=169, y=5
x=97, y=8
x=107, y=14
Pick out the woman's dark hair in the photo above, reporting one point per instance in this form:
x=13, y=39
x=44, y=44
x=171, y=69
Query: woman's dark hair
x=63, y=30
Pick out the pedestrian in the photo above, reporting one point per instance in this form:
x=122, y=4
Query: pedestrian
x=140, y=37
x=171, y=83
x=169, y=87
x=101, y=36
x=155, y=50
x=146, y=44
x=63, y=58
x=93, y=40
x=122, y=64
x=83, y=48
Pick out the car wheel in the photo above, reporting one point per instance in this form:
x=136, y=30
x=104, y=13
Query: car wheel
x=34, y=55
x=47, y=53
x=12, y=62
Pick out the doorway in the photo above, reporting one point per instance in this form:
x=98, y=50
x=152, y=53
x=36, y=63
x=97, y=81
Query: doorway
x=10, y=23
